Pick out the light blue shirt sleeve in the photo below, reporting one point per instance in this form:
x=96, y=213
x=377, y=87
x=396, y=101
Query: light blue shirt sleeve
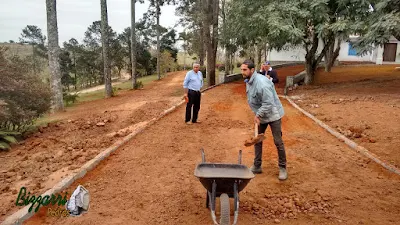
x=186, y=80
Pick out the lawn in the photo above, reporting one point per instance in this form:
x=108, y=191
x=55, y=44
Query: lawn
x=355, y=73
x=122, y=86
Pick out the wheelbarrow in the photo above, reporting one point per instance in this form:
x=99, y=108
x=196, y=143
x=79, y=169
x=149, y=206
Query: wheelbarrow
x=225, y=181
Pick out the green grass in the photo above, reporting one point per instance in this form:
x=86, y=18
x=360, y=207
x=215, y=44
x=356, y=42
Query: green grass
x=91, y=96
x=236, y=70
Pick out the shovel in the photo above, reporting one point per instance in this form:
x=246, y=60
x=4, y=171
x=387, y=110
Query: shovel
x=256, y=139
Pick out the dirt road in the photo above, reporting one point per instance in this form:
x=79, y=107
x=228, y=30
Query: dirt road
x=150, y=180
x=78, y=135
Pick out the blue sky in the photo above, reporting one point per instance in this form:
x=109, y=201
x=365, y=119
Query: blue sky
x=74, y=16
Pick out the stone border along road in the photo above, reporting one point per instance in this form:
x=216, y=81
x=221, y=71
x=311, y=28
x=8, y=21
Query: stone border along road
x=343, y=138
x=23, y=214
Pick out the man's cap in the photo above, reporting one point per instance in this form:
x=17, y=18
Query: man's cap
x=267, y=63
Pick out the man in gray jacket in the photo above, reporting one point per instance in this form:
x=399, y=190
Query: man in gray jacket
x=264, y=102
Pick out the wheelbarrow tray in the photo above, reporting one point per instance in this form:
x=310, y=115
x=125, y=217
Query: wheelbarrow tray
x=225, y=176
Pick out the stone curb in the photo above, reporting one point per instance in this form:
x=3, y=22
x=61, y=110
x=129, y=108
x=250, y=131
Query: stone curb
x=340, y=136
x=23, y=214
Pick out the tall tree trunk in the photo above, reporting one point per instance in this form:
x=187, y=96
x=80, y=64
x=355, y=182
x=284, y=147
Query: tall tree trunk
x=312, y=58
x=76, y=81
x=104, y=38
x=54, y=53
x=331, y=53
x=133, y=44
x=202, y=41
x=259, y=55
x=227, y=52
x=158, y=42
x=212, y=12
x=232, y=61
x=266, y=52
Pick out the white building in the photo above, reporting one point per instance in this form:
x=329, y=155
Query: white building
x=389, y=53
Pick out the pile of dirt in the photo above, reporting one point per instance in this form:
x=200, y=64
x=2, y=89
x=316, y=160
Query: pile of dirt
x=148, y=111
x=287, y=206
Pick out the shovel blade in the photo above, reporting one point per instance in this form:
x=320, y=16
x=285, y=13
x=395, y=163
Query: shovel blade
x=254, y=140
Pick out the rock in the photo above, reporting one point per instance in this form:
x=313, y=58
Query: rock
x=277, y=221
x=81, y=160
x=288, y=205
x=256, y=206
x=69, y=121
x=5, y=189
x=70, y=148
x=40, y=158
x=307, y=206
x=100, y=124
x=73, y=167
x=105, y=121
x=60, y=153
x=372, y=140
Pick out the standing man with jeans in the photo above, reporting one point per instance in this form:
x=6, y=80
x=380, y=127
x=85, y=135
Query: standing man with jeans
x=264, y=102
x=192, y=84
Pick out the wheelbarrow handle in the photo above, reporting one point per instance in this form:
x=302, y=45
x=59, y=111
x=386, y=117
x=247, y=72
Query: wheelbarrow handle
x=240, y=156
x=203, y=156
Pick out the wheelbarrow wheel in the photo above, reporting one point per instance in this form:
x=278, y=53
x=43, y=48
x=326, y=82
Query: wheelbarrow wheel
x=225, y=209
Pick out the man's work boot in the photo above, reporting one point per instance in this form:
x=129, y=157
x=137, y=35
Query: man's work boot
x=282, y=173
x=256, y=169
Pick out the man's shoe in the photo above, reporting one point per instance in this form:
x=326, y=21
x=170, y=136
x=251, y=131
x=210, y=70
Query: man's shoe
x=256, y=169
x=282, y=173
x=196, y=122
x=189, y=123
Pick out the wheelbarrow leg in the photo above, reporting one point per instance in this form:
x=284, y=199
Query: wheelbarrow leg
x=208, y=199
x=236, y=202
x=213, y=196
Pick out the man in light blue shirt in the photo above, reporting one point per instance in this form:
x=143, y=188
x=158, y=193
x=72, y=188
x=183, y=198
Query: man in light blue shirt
x=264, y=102
x=192, y=84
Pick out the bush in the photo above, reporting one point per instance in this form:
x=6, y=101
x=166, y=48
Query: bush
x=7, y=138
x=221, y=68
x=23, y=95
x=138, y=85
x=70, y=97
x=238, y=64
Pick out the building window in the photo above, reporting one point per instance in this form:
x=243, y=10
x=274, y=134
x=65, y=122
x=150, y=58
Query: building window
x=352, y=51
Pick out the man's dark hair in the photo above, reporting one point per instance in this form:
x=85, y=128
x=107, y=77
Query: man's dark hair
x=249, y=63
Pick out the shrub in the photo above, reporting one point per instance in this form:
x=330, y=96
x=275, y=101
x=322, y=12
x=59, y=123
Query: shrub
x=70, y=97
x=23, y=95
x=7, y=138
x=221, y=67
x=138, y=85
x=238, y=64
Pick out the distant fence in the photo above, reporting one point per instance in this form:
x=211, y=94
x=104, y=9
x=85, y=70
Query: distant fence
x=238, y=76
